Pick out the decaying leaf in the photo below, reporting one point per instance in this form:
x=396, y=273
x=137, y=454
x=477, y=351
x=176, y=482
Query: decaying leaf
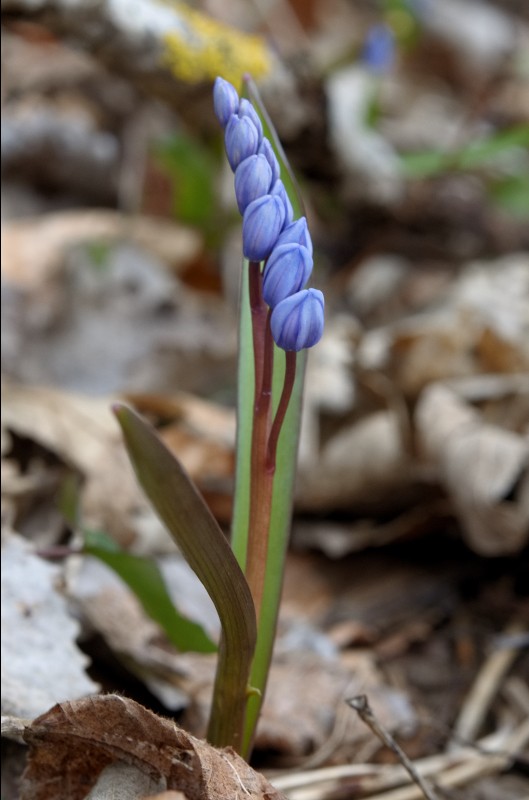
x=41, y=663
x=484, y=468
x=358, y=465
x=82, y=432
x=27, y=266
x=73, y=743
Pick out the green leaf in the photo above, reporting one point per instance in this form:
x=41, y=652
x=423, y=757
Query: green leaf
x=144, y=577
x=187, y=518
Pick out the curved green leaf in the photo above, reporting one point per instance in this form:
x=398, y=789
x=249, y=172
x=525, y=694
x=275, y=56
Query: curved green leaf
x=187, y=518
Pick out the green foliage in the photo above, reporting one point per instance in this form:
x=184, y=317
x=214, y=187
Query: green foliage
x=143, y=576
x=191, y=168
x=501, y=159
x=477, y=154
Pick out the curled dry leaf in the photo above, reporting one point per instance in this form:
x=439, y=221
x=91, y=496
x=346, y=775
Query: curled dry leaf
x=74, y=742
x=484, y=468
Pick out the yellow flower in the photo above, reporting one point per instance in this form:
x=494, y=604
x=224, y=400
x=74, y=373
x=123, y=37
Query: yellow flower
x=205, y=48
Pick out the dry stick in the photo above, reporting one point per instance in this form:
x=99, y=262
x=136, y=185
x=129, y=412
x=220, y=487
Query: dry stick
x=363, y=709
x=517, y=693
x=484, y=689
x=462, y=774
x=382, y=778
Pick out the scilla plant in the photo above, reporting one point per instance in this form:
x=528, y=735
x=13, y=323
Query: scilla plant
x=279, y=319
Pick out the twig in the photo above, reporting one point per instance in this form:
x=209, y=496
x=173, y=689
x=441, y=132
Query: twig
x=484, y=689
x=450, y=769
x=363, y=709
x=475, y=767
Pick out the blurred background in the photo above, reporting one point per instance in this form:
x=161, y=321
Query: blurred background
x=406, y=123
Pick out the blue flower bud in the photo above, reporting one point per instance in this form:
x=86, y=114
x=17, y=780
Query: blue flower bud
x=247, y=110
x=278, y=190
x=241, y=138
x=261, y=225
x=297, y=321
x=298, y=233
x=225, y=100
x=253, y=177
x=268, y=152
x=286, y=272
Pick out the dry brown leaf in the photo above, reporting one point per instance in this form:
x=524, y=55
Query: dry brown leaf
x=306, y=695
x=481, y=325
x=359, y=465
x=72, y=743
x=484, y=468
x=202, y=434
x=31, y=266
x=83, y=433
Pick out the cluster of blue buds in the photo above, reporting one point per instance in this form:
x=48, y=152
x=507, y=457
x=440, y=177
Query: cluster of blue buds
x=269, y=231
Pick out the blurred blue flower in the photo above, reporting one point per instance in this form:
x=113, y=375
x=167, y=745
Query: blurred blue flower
x=286, y=272
x=297, y=322
x=261, y=225
x=378, y=51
